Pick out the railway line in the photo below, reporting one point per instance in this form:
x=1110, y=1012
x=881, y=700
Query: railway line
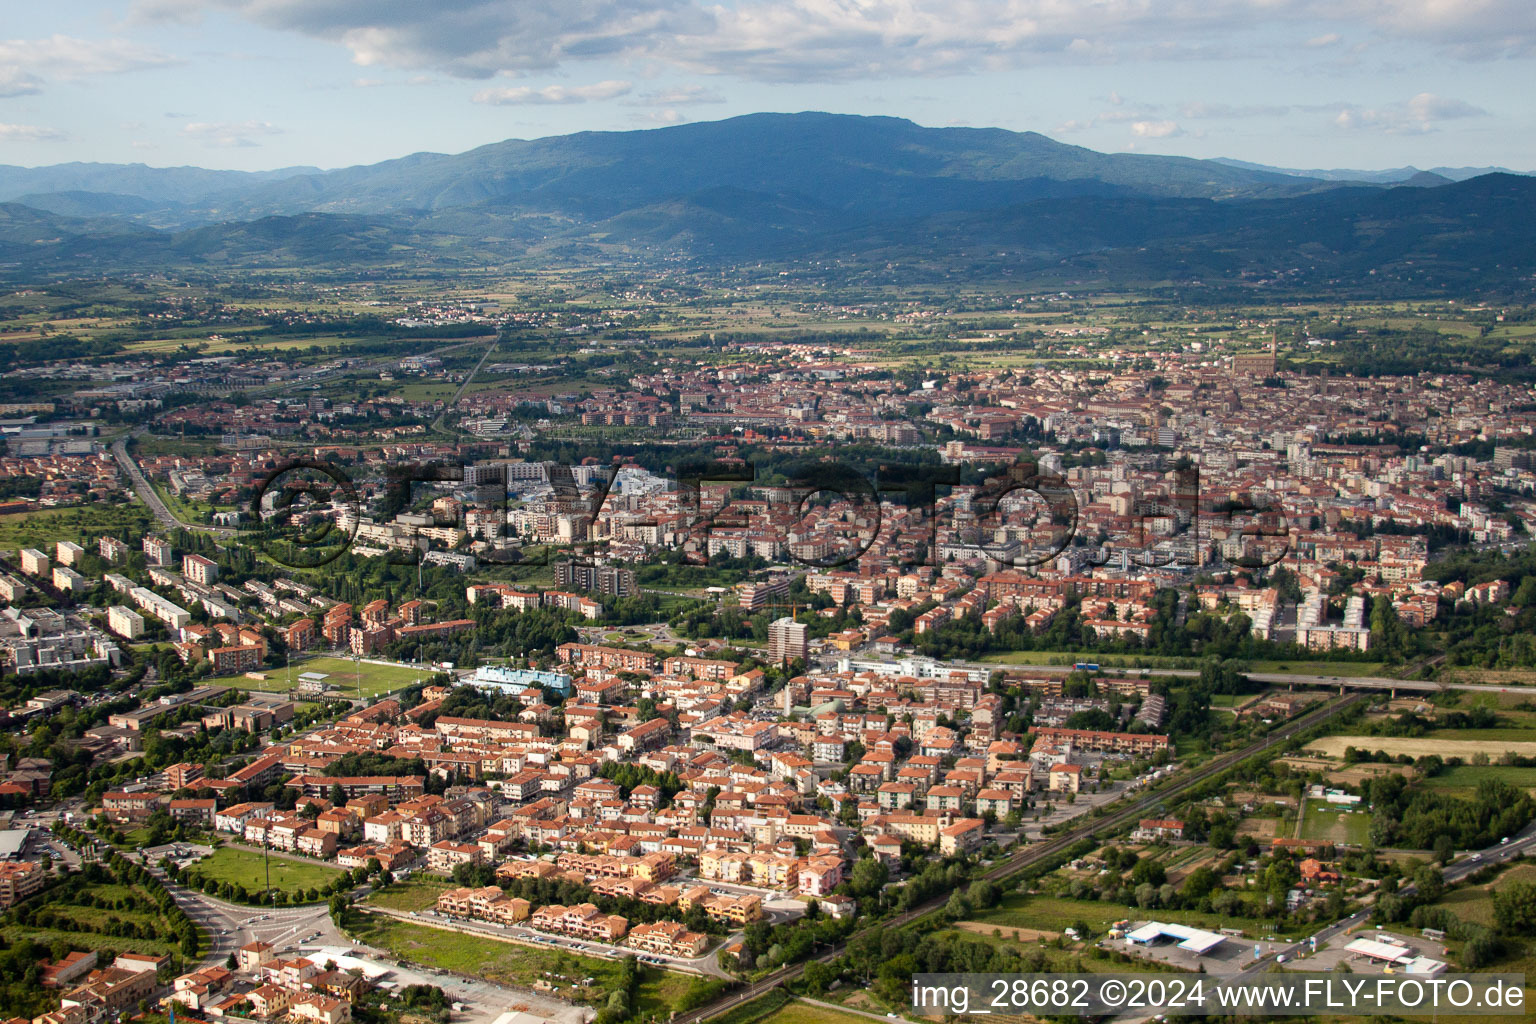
x=1040, y=852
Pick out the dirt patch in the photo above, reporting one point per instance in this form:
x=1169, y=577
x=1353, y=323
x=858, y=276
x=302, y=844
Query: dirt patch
x=1260, y=828
x=1016, y=934
x=1356, y=774
x=1333, y=746
x=1309, y=764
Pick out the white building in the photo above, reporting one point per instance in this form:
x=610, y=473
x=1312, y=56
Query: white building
x=67, y=580
x=34, y=562
x=172, y=615
x=69, y=553
x=125, y=622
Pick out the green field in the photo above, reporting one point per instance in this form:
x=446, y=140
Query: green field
x=1320, y=668
x=343, y=673
x=1463, y=780
x=1053, y=913
x=1326, y=823
x=1475, y=904
x=415, y=893
x=805, y=1013
x=511, y=963
x=43, y=528
x=245, y=867
x=1134, y=661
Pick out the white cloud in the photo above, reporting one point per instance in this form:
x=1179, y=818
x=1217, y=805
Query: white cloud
x=16, y=82
x=1414, y=116
x=821, y=40
x=681, y=96
x=1225, y=110
x=1426, y=106
x=667, y=116
x=29, y=133
x=1156, y=129
x=230, y=133
x=552, y=94
x=61, y=56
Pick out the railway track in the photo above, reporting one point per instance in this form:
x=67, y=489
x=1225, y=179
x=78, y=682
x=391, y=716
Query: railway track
x=1037, y=853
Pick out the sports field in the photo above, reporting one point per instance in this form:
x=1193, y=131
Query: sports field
x=342, y=675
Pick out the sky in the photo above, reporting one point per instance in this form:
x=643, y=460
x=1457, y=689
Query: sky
x=262, y=84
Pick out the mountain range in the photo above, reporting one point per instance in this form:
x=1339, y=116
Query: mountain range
x=786, y=188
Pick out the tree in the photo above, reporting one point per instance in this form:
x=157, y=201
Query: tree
x=819, y=977
x=1201, y=883
x=1514, y=908
x=1429, y=882
x=1445, y=849
x=338, y=795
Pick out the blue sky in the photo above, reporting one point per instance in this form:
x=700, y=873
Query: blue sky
x=256, y=84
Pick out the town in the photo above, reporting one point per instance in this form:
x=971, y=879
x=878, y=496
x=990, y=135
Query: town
x=625, y=680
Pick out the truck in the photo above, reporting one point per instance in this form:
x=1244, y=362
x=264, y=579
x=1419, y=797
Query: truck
x=1086, y=666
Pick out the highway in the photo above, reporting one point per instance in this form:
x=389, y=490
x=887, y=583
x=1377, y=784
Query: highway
x=1040, y=852
x=150, y=497
x=1279, y=678
x=1467, y=864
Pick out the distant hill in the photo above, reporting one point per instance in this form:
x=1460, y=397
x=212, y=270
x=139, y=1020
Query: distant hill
x=1389, y=176
x=841, y=162
x=872, y=193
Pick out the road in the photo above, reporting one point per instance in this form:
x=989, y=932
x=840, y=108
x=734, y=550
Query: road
x=1040, y=852
x=1281, y=678
x=147, y=494
x=454, y=401
x=1456, y=871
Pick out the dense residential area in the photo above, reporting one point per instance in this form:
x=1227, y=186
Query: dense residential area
x=812, y=662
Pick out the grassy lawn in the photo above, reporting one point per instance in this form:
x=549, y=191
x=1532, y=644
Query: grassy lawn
x=1133, y=661
x=515, y=964
x=1463, y=780
x=1053, y=913
x=1475, y=904
x=41, y=529
x=415, y=893
x=90, y=940
x=1320, y=668
x=1326, y=823
x=376, y=679
x=1068, y=658
x=805, y=1013
x=245, y=867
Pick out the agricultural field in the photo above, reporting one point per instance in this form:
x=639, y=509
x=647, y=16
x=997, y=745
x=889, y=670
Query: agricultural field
x=376, y=679
x=1333, y=746
x=1463, y=780
x=246, y=867
x=1260, y=828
